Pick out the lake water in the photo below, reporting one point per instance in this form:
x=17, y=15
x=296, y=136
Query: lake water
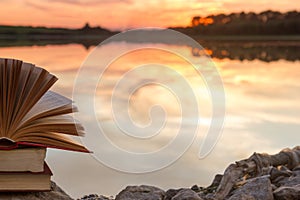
x=262, y=89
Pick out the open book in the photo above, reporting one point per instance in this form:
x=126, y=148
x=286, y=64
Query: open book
x=30, y=114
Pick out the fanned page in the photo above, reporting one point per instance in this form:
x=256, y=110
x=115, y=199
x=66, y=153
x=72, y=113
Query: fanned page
x=22, y=86
x=50, y=104
x=52, y=140
x=63, y=124
x=9, y=76
x=37, y=84
x=32, y=115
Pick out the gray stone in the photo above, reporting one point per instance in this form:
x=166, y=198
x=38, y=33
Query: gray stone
x=171, y=193
x=297, y=168
x=287, y=193
x=56, y=193
x=242, y=197
x=256, y=188
x=277, y=175
x=201, y=195
x=186, y=194
x=142, y=192
x=95, y=197
x=216, y=181
x=290, y=181
x=195, y=188
x=209, y=196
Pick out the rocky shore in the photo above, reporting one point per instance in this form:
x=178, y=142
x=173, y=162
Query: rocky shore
x=260, y=177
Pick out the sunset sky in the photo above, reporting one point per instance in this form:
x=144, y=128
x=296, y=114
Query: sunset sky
x=125, y=14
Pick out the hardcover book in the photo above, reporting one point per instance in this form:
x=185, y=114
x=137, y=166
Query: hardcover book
x=22, y=159
x=26, y=181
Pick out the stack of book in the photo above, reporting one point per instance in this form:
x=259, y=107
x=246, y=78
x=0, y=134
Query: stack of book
x=32, y=118
x=24, y=169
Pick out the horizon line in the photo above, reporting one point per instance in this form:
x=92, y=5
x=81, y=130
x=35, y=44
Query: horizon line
x=130, y=28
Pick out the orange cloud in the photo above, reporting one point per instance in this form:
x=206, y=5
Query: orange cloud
x=124, y=14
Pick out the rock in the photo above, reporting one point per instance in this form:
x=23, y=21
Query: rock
x=56, y=193
x=256, y=188
x=210, y=196
x=95, y=197
x=287, y=193
x=285, y=177
x=202, y=195
x=90, y=196
x=242, y=196
x=186, y=194
x=171, y=193
x=290, y=181
x=142, y=192
x=250, y=179
x=277, y=175
x=178, y=194
x=297, y=168
x=216, y=181
x=296, y=172
x=195, y=188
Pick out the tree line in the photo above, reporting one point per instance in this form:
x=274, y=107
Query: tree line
x=264, y=23
x=40, y=31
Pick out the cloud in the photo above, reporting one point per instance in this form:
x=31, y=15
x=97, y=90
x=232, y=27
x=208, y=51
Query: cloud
x=124, y=14
x=37, y=6
x=236, y=6
x=44, y=5
x=91, y=2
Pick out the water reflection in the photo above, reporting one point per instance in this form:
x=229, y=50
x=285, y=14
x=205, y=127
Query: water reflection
x=266, y=51
x=263, y=111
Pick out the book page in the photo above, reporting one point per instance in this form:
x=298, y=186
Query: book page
x=9, y=74
x=64, y=124
x=3, y=69
x=52, y=140
x=32, y=88
x=50, y=104
x=24, y=76
x=2, y=86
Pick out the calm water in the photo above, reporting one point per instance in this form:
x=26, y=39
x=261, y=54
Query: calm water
x=262, y=111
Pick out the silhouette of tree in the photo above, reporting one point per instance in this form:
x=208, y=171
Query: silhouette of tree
x=86, y=26
x=265, y=23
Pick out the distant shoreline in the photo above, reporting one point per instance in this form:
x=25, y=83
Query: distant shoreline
x=248, y=37
x=88, y=40
x=54, y=37
x=99, y=33
x=264, y=48
x=194, y=36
